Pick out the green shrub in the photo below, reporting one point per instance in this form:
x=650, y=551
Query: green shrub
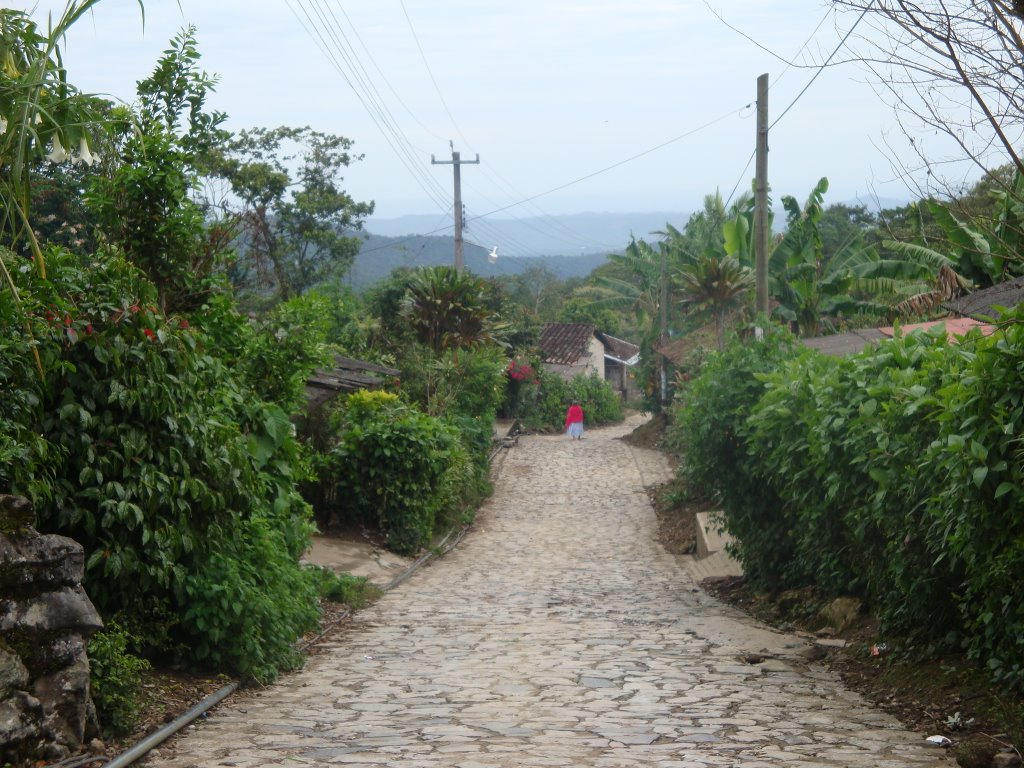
x=354, y=591
x=841, y=442
x=600, y=403
x=176, y=478
x=390, y=465
x=115, y=679
x=708, y=420
x=976, y=511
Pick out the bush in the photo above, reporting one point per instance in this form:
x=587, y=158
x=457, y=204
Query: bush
x=115, y=679
x=977, y=524
x=600, y=403
x=708, y=421
x=391, y=466
x=842, y=441
x=178, y=481
x=354, y=591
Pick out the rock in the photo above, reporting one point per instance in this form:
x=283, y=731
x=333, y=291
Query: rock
x=841, y=612
x=20, y=726
x=63, y=695
x=13, y=674
x=39, y=562
x=63, y=610
x=975, y=753
x=1006, y=759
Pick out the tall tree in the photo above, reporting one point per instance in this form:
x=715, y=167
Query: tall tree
x=296, y=219
x=952, y=67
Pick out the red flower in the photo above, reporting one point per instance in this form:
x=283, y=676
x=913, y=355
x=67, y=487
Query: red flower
x=183, y=324
x=88, y=329
x=149, y=333
x=134, y=308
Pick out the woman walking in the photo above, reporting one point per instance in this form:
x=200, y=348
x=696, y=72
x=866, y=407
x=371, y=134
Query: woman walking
x=574, y=421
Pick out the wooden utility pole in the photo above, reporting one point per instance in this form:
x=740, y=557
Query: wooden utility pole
x=457, y=163
x=663, y=300
x=761, y=217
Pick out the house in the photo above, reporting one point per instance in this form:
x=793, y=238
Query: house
x=571, y=349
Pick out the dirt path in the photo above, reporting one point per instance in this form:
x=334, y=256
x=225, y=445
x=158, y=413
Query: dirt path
x=559, y=633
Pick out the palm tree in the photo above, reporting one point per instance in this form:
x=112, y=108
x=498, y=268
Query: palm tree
x=716, y=283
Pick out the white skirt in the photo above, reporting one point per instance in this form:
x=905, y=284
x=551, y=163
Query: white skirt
x=575, y=429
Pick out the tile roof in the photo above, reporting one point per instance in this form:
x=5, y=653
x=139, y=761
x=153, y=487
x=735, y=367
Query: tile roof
x=565, y=343
x=980, y=305
x=677, y=350
x=955, y=327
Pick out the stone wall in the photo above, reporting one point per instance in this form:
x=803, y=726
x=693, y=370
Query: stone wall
x=45, y=621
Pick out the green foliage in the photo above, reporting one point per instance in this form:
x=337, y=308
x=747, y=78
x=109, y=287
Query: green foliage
x=294, y=212
x=600, y=403
x=354, y=591
x=45, y=117
x=145, y=205
x=894, y=474
x=977, y=524
x=392, y=467
x=448, y=310
x=708, y=418
x=26, y=457
x=175, y=478
x=841, y=442
x=115, y=679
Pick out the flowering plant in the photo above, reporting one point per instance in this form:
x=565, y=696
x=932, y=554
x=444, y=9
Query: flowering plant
x=520, y=370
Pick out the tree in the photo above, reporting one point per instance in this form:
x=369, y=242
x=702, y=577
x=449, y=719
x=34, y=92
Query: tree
x=296, y=219
x=146, y=206
x=951, y=67
x=448, y=310
x=716, y=283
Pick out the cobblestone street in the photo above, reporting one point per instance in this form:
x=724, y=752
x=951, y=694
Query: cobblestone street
x=558, y=633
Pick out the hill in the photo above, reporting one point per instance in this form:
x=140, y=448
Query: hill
x=569, y=246
x=379, y=256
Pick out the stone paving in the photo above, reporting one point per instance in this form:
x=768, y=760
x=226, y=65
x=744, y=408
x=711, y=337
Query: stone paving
x=558, y=633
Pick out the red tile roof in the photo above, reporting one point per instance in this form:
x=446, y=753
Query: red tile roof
x=565, y=343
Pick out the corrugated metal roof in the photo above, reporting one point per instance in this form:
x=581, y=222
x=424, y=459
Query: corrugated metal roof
x=842, y=344
x=620, y=350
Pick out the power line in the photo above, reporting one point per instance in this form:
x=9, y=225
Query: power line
x=620, y=163
x=362, y=87
x=821, y=68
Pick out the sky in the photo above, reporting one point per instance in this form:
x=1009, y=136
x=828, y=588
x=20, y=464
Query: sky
x=571, y=106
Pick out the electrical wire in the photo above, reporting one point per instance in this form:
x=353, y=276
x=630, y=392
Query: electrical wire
x=329, y=39
x=821, y=67
x=620, y=163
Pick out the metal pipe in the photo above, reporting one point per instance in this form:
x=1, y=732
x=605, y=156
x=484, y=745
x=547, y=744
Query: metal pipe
x=161, y=735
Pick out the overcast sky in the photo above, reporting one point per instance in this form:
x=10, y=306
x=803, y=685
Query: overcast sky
x=603, y=105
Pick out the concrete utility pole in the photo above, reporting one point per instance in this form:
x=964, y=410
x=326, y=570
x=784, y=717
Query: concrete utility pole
x=761, y=200
x=457, y=163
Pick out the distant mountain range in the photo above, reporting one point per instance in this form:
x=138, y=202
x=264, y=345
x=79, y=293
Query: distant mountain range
x=569, y=246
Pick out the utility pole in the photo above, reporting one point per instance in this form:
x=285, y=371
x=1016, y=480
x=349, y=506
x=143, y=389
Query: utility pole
x=761, y=200
x=663, y=300
x=456, y=162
